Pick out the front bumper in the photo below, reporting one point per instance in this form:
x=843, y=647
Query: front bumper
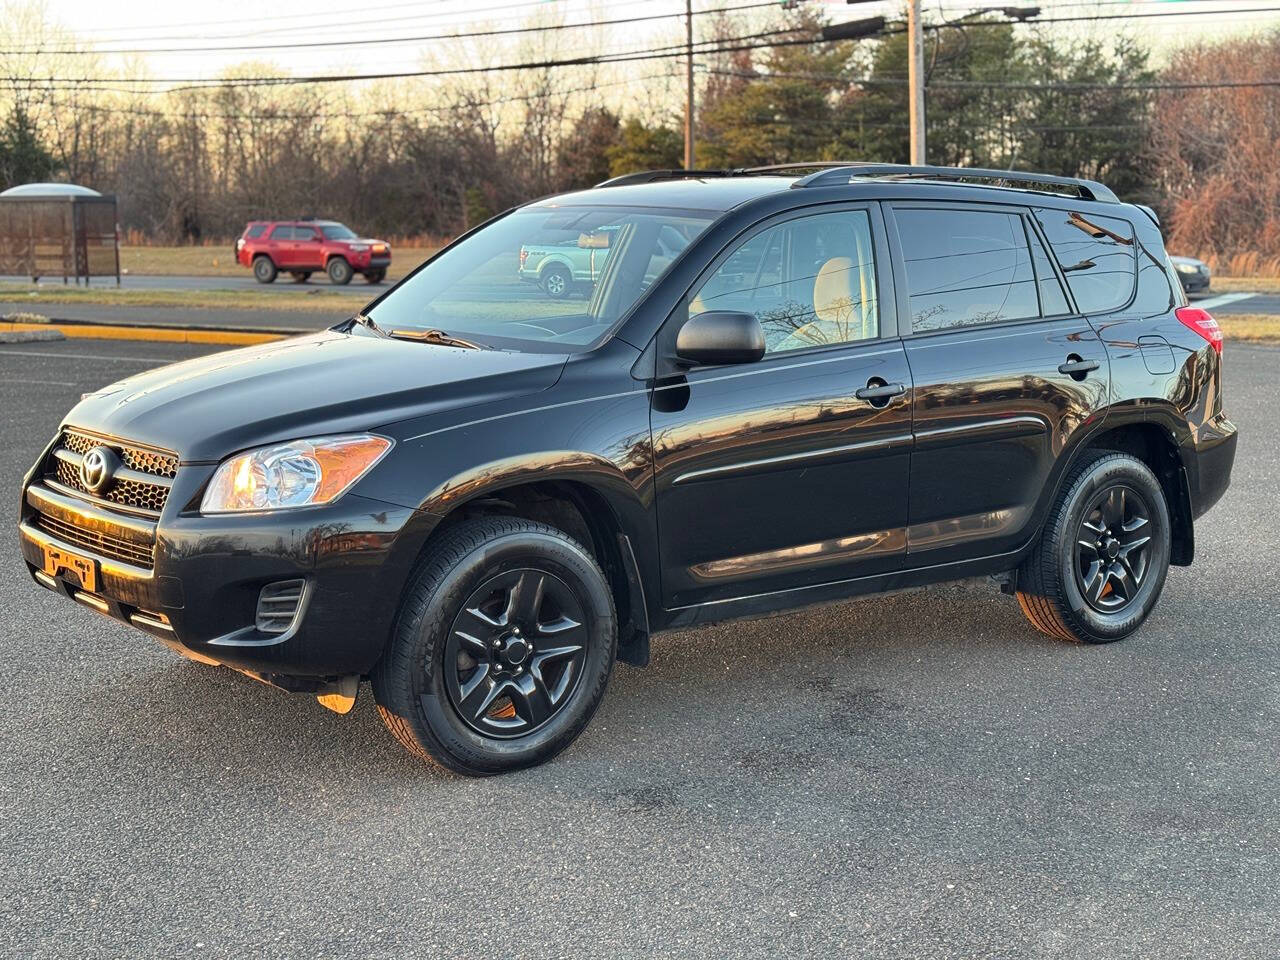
x=201, y=594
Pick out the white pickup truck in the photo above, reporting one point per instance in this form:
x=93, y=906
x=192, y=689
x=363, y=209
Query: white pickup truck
x=560, y=267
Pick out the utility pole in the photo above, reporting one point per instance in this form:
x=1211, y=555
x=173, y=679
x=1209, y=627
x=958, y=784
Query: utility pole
x=688, y=104
x=915, y=80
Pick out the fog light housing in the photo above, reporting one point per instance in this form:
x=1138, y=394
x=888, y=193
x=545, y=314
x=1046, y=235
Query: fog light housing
x=279, y=606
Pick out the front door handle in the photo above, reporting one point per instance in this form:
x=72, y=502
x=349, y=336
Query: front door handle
x=1075, y=367
x=879, y=392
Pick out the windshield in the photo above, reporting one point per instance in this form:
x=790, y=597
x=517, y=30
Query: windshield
x=336, y=231
x=543, y=277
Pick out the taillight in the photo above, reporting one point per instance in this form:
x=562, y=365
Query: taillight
x=1193, y=318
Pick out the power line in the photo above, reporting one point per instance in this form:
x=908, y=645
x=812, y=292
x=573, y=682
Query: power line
x=388, y=112
x=660, y=53
x=312, y=23
x=508, y=31
x=1006, y=85
x=203, y=83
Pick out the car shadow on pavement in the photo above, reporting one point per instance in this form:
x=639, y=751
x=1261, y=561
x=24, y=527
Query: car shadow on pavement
x=767, y=700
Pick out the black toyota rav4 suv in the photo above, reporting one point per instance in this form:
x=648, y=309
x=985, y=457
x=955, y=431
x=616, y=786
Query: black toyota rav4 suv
x=785, y=387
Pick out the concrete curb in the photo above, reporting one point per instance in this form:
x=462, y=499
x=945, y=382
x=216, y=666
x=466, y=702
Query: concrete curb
x=153, y=332
x=29, y=336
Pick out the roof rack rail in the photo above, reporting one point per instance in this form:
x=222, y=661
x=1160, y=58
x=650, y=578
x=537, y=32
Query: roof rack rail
x=805, y=165
x=650, y=176
x=1086, y=189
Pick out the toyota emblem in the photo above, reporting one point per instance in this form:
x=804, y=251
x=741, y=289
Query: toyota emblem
x=97, y=468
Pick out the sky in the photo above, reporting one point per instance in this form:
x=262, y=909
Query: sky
x=111, y=24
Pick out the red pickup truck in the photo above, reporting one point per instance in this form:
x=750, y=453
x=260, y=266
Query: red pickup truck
x=301, y=247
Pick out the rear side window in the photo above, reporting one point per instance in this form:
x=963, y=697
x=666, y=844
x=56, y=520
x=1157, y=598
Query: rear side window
x=257, y=230
x=966, y=267
x=1096, y=255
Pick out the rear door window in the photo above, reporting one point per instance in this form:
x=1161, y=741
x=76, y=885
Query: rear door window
x=966, y=267
x=1096, y=255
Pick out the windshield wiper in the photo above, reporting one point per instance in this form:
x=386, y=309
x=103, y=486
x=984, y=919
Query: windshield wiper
x=368, y=322
x=436, y=336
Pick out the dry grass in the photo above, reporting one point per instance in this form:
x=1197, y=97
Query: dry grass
x=221, y=261
x=1248, y=264
x=1244, y=285
x=1251, y=327
x=318, y=302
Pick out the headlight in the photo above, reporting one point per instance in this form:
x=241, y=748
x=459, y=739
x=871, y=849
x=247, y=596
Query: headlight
x=358, y=247
x=300, y=473
x=1188, y=268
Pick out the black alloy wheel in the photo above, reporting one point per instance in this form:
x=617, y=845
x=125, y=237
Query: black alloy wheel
x=502, y=648
x=1100, y=563
x=1111, y=555
x=515, y=653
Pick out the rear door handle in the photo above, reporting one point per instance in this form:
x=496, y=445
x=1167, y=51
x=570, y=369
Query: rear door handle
x=879, y=390
x=1077, y=366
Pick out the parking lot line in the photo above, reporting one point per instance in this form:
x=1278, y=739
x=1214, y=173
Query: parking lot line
x=1223, y=299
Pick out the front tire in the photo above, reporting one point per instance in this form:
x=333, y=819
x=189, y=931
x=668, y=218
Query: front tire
x=1101, y=561
x=264, y=271
x=502, y=648
x=339, y=271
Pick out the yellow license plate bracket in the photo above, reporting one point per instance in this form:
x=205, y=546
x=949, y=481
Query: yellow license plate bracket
x=82, y=570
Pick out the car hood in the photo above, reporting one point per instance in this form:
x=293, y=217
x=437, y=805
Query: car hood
x=330, y=382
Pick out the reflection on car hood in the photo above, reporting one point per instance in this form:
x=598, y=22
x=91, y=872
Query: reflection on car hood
x=326, y=382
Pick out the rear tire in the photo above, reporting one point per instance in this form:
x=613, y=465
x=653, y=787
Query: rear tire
x=1101, y=561
x=339, y=271
x=501, y=650
x=264, y=271
x=556, y=282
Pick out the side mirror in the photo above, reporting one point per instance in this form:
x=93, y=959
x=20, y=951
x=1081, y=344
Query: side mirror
x=720, y=336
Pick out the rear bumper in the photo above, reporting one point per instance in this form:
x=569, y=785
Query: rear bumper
x=1209, y=454
x=201, y=594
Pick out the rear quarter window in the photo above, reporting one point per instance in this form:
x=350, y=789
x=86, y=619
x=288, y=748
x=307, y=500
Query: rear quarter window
x=1096, y=255
x=257, y=230
x=966, y=267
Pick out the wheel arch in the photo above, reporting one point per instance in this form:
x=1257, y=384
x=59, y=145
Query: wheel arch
x=588, y=498
x=1150, y=436
x=554, y=260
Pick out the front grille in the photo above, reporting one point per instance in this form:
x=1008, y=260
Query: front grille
x=102, y=543
x=138, y=491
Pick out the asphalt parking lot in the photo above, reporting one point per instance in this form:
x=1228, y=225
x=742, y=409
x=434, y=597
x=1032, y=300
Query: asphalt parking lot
x=914, y=776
